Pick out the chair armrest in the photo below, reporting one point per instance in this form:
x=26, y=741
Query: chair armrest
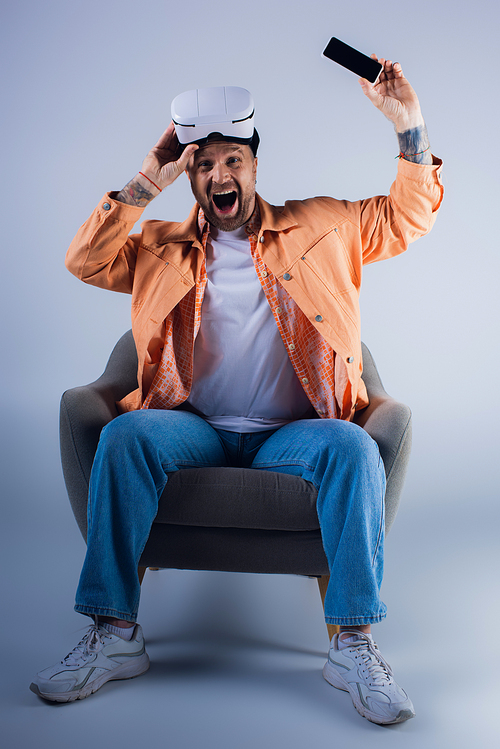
x=83, y=414
x=389, y=424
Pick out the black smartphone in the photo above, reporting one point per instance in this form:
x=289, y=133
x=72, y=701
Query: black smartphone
x=350, y=58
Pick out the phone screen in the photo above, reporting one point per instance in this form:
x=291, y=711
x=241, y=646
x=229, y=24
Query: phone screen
x=353, y=60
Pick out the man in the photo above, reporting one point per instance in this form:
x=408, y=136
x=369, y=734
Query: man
x=246, y=324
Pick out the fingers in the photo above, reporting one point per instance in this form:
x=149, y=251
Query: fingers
x=391, y=71
x=185, y=157
x=398, y=70
x=170, y=143
x=165, y=140
x=369, y=90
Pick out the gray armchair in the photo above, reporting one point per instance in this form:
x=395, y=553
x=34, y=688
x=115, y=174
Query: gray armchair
x=227, y=519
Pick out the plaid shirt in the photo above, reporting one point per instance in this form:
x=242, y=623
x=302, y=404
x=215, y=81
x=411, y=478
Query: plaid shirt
x=312, y=358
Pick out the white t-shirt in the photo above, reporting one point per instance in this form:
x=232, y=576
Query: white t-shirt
x=243, y=380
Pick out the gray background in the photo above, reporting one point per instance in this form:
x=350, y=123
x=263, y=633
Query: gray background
x=236, y=659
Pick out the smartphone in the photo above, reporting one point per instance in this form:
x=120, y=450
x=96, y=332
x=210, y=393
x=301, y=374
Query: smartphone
x=350, y=58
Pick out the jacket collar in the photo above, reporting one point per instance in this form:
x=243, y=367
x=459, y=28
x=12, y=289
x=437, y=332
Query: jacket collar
x=273, y=218
x=187, y=231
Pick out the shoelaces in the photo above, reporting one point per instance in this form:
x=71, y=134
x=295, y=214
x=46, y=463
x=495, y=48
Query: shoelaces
x=373, y=662
x=91, y=642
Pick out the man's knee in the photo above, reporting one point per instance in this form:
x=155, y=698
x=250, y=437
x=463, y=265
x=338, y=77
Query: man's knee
x=356, y=443
x=345, y=441
x=126, y=429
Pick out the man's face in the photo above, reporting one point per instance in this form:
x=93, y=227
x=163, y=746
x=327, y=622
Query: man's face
x=222, y=179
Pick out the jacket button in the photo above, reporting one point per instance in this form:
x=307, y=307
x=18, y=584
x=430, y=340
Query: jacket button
x=261, y=240
x=287, y=277
x=318, y=318
x=106, y=206
x=350, y=359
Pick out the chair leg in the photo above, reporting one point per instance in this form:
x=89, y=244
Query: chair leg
x=323, y=585
x=142, y=572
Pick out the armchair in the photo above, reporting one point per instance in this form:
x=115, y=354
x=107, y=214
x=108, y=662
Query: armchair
x=226, y=519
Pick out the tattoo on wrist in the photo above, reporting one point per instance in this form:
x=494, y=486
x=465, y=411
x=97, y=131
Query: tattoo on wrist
x=135, y=194
x=414, y=145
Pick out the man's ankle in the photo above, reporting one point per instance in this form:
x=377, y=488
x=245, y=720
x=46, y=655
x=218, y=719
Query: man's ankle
x=365, y=628
x=116, y=622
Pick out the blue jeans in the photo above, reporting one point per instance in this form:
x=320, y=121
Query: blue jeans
x=139, y=449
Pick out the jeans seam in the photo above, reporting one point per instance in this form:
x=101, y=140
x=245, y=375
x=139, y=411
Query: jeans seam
x=281, y=464
x=381, y=525
x=345, y=621
x=379, y=538
x=97, y=611
x=190, y=463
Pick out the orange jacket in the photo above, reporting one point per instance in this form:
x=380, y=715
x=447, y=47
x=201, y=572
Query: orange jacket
x=316, y=249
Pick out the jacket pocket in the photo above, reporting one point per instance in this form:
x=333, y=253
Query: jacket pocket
x=328, y=262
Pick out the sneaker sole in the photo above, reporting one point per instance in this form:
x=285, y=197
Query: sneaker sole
x=125, y=671
x=332, y=677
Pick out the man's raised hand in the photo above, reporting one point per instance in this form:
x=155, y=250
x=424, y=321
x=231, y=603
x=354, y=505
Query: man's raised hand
x=394, y=96
x=397, y=100
x=161, y=164
x=159, y=169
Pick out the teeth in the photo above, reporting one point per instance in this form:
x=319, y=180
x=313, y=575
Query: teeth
x=226, y=192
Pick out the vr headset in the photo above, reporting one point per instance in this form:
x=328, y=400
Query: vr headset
x=213, y=114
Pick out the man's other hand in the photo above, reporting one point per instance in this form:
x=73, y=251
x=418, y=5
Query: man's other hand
x=394, y=96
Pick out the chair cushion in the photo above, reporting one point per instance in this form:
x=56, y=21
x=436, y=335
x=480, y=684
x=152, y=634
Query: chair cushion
x=238, y=498
x=188, y=547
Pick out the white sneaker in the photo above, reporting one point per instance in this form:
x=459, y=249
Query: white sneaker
x=99, y=657
x=361, y=670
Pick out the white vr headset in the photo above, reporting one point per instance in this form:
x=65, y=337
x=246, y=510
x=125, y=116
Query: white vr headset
x=220, y=113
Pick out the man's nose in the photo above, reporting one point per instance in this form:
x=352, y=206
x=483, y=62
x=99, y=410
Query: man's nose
x=220, y=173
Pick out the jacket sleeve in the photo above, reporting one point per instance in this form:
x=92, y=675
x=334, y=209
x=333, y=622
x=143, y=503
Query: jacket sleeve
x=102, y=254
x=389, y=223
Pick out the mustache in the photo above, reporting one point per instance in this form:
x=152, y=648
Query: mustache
x=226, y=187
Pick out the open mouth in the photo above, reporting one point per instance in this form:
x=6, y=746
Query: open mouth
x=224, y=201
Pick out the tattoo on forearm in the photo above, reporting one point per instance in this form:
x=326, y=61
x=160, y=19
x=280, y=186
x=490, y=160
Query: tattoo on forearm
x=134, y=194
x=414, y=145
